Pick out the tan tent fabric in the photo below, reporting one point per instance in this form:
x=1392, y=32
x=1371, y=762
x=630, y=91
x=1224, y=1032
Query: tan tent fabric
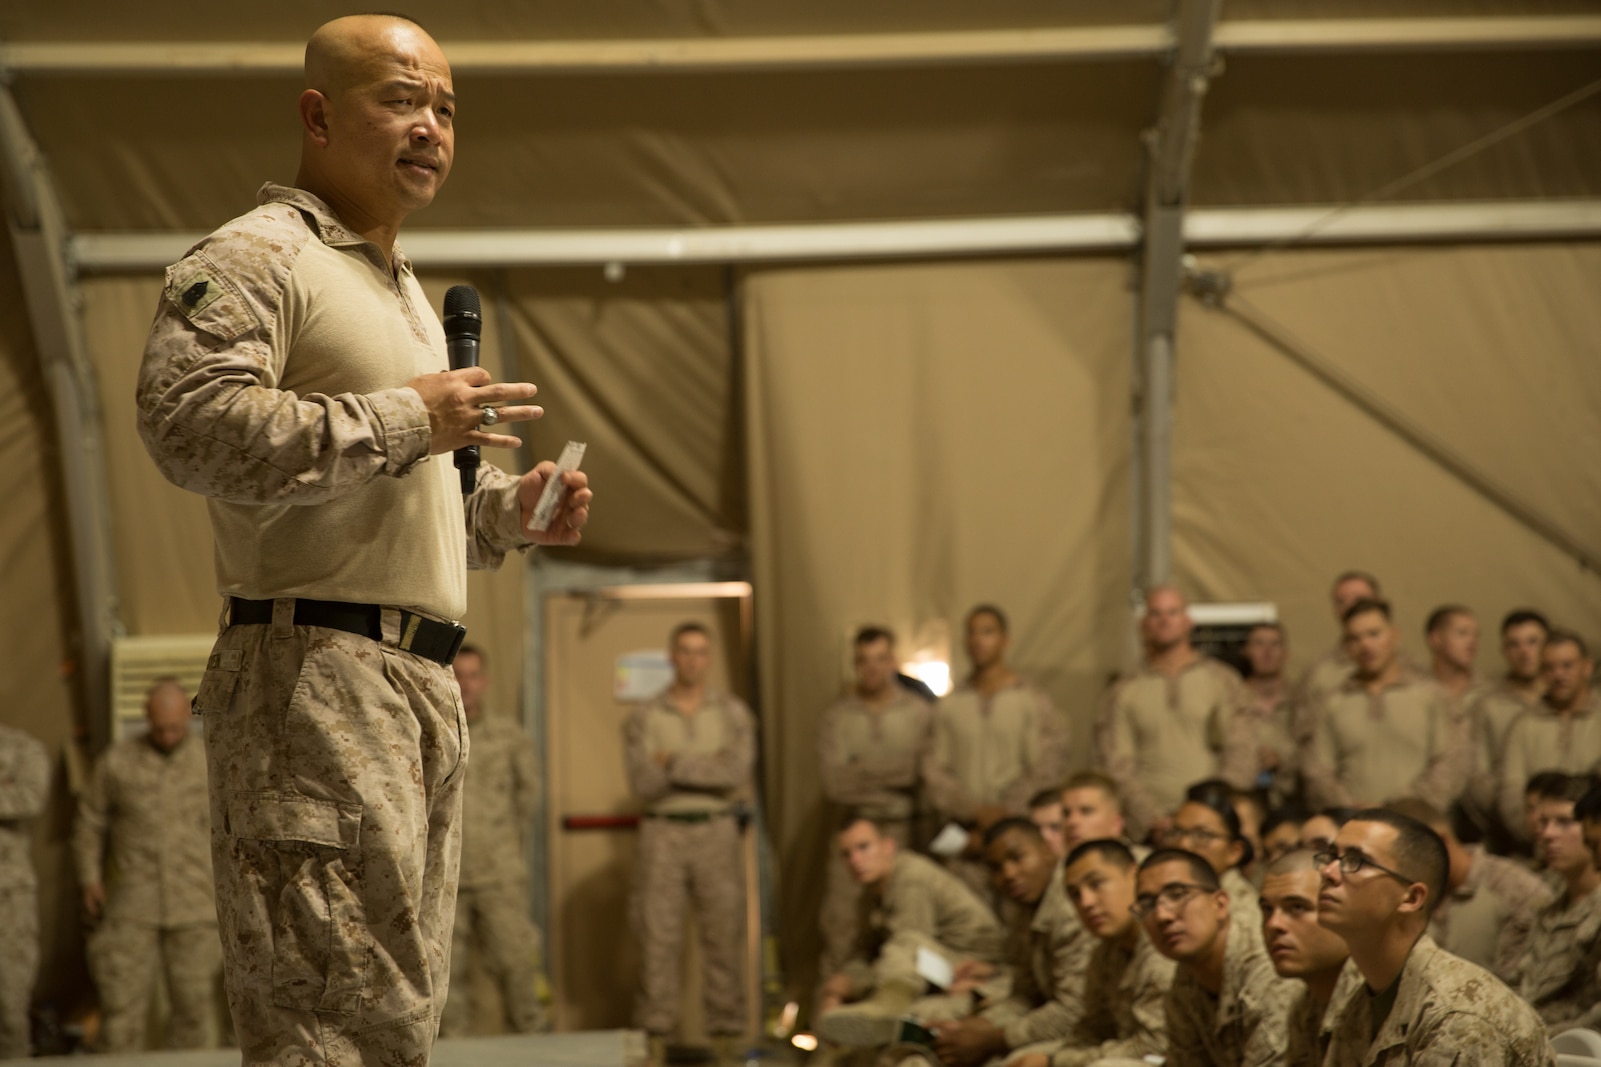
x=925, y=438
x=37, y=651
x=639, y=369
x=1279, y=484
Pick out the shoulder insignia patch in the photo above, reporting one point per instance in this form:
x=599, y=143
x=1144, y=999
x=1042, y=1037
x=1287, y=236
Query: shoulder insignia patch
x=197, y=292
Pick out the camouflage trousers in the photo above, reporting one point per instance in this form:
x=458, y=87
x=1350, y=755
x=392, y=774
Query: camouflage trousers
x=336, y=765
x=123, y=956
x=682, y=865
x=837, y=918
x=19, y=966
x=493, y=920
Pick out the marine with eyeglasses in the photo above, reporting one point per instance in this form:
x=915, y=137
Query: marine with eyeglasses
x=1417, y=1004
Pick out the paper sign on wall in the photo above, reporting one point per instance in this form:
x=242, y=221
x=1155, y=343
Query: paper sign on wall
x=641, y=675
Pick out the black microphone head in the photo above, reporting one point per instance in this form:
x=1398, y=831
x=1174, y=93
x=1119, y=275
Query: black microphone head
x=463, y=312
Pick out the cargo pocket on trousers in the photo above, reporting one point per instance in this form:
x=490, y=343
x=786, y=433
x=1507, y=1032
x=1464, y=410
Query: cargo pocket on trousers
x=308, y=869
x=218, y=683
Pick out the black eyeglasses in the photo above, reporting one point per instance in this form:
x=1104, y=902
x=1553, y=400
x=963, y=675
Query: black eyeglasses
x=1174, y=894
x=1353, y=860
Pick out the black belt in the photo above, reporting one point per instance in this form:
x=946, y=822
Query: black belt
x=419, y=635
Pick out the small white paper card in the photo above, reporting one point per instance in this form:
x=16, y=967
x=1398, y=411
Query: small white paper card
x=950, y=841
x=935, y=968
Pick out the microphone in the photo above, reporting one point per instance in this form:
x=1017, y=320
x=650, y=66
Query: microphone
x=464, y=324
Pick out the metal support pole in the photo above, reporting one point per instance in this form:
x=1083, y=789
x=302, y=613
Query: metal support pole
x=39, y=239
x=1171, y=150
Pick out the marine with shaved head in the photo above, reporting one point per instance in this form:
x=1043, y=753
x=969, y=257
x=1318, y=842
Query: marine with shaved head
x=1178, y=718
x=295, y=376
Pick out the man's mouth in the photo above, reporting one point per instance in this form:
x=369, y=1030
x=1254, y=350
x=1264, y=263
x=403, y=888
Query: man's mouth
x=424, y=165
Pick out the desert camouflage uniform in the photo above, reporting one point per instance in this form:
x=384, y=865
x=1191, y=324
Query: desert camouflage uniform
x=1447, y=1011
x=1410, y=738
x=995, y=750
x=1562, y=965
x=500, y=798
x=920, y=905
x=869, y=763
x=1543, y=740
x=143, y=832
x=1486, y=920
x=1244, y=1025
x=24, y=783
x=1125, y=1005
x=1273, y=728
x=1311, y=1025
x=274, y=383
x=689, y=853
x=1157, y=735
x=1050, y=955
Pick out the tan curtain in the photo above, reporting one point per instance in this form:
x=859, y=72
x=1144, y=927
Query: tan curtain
x=638, y=368
x=1280, y=482
x=924, y=438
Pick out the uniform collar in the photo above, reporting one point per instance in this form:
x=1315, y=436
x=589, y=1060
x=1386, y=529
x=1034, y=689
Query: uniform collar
x=330, y=230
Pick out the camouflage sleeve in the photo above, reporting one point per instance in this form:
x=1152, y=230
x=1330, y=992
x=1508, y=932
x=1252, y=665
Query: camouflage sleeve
x=24, y=780
x=945, y=791
x=646, y=777
x=1063, y=1005
x=1446, y=775
x=1524, y=902
x=729, y=767
x=1458, y=1039
x=847, y=781
x=494, y=519
x=1045, y=757
x=209, y=410
x=1114, y=751
x=89, y=829
x=525, y=778
x=1318, y=767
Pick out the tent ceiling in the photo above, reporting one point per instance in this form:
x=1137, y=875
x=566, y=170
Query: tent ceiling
x=828, y=143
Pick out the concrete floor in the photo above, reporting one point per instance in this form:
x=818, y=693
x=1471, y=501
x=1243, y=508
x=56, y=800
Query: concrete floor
x=601, y=1048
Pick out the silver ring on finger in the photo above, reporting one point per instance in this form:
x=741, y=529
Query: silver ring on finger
x=490, y=417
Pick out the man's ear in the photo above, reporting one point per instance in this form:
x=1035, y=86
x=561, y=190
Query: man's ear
x=314, y=116
x=1415, y=899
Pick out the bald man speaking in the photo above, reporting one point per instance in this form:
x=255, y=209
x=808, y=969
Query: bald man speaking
x=296, y=377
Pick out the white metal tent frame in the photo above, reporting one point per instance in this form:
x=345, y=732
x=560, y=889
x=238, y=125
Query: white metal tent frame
x=52, y=258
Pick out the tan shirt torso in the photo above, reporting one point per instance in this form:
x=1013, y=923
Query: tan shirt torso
x=274, y=383
x=869, y=757
x=144, y=832
x=1543, y=740
x=711, y=754
x=1408, y=738
x=998, y=749
x=1158, y=735
x=922, y=901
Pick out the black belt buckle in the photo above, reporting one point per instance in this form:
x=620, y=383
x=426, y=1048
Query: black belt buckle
x=429, y=638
